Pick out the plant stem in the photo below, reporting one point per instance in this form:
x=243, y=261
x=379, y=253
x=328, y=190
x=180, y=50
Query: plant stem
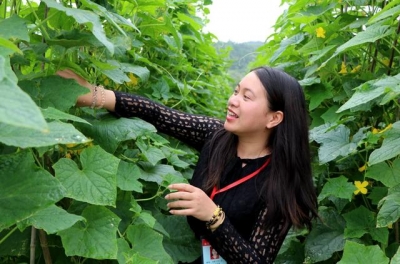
x=33, y=246
x=5, y=9
x=158, y=193
x=45, y=247
x=12, y=7
x=150, y=198
x=44, y=32
x=366, y=203
x=9, y=234
x=39, y=163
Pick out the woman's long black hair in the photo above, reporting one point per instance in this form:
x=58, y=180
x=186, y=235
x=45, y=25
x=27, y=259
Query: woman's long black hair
x=289, y=189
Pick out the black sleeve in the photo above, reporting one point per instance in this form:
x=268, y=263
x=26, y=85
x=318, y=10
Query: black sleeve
x=189, y=128
x=262, y=247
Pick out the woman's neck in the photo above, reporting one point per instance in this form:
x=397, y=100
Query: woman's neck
x=252, y=149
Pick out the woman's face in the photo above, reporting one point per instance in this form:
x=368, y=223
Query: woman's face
x=248, y=112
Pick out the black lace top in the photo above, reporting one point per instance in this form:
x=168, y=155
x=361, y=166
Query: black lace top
x=241, y=238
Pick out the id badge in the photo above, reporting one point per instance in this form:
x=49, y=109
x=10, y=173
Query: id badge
x=210, y=255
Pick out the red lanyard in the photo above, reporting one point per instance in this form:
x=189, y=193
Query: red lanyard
x=236, y=183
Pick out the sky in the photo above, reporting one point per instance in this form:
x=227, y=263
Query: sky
x=243, y=20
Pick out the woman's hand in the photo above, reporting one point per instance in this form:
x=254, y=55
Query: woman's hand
x=106, y=99
x=189, y=200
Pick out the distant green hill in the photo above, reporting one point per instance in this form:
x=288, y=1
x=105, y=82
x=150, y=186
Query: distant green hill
x=240, y=55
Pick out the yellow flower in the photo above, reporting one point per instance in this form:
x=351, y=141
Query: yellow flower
x=68, y=155
x=362, y=168
x=320, y=32
x=134, y=80
x=361, y=187
x=356, y=69
x=375, y=131
x=386, y=61
x=343, y=69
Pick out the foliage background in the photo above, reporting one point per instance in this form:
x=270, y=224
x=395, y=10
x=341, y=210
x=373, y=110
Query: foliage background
x=79, y=185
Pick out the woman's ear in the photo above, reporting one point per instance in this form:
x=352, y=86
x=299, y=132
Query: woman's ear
x=275, y=119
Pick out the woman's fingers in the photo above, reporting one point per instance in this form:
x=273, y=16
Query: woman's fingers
x=178, y=196
x=68, y=74
x=182, y=187
x=189, y=200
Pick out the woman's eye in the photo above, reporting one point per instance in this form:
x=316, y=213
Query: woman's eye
x=246, y=97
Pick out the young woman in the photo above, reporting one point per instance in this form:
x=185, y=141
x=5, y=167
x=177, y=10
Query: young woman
x=253, y=179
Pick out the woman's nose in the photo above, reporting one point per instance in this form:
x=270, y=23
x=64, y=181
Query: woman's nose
x=233, y=100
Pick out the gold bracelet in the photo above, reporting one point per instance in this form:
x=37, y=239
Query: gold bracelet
x=218, y=223
x=215, y=217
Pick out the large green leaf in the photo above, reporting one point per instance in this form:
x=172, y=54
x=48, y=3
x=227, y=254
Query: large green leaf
x=386, y=12
x=116, y=70
x=128, y=176
x=369, y=35
x=58, y=133
x=14, y=28
x=359, y=253
x=338, y=187
x=389, y=211
x=334, y=142
x=96, y=182
x=396, y=257
x=110, y=131
x=293, y=40
x=85, y=17
x=325, y=238
x=390, y=147
x=17, y=244
x=361, y=221
x=293, y=253
x=148, y=243
x=368, y=91
x=128, y=256
x=55, y=114
x=158, y=172
x=388, y=175
x=318, y=94
x=54, y=91
x=24, y=189
x=16, y=107
x=142, y=72
x=96, y=238
x=152, y=154
x=51, y=219
x=181, y=243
